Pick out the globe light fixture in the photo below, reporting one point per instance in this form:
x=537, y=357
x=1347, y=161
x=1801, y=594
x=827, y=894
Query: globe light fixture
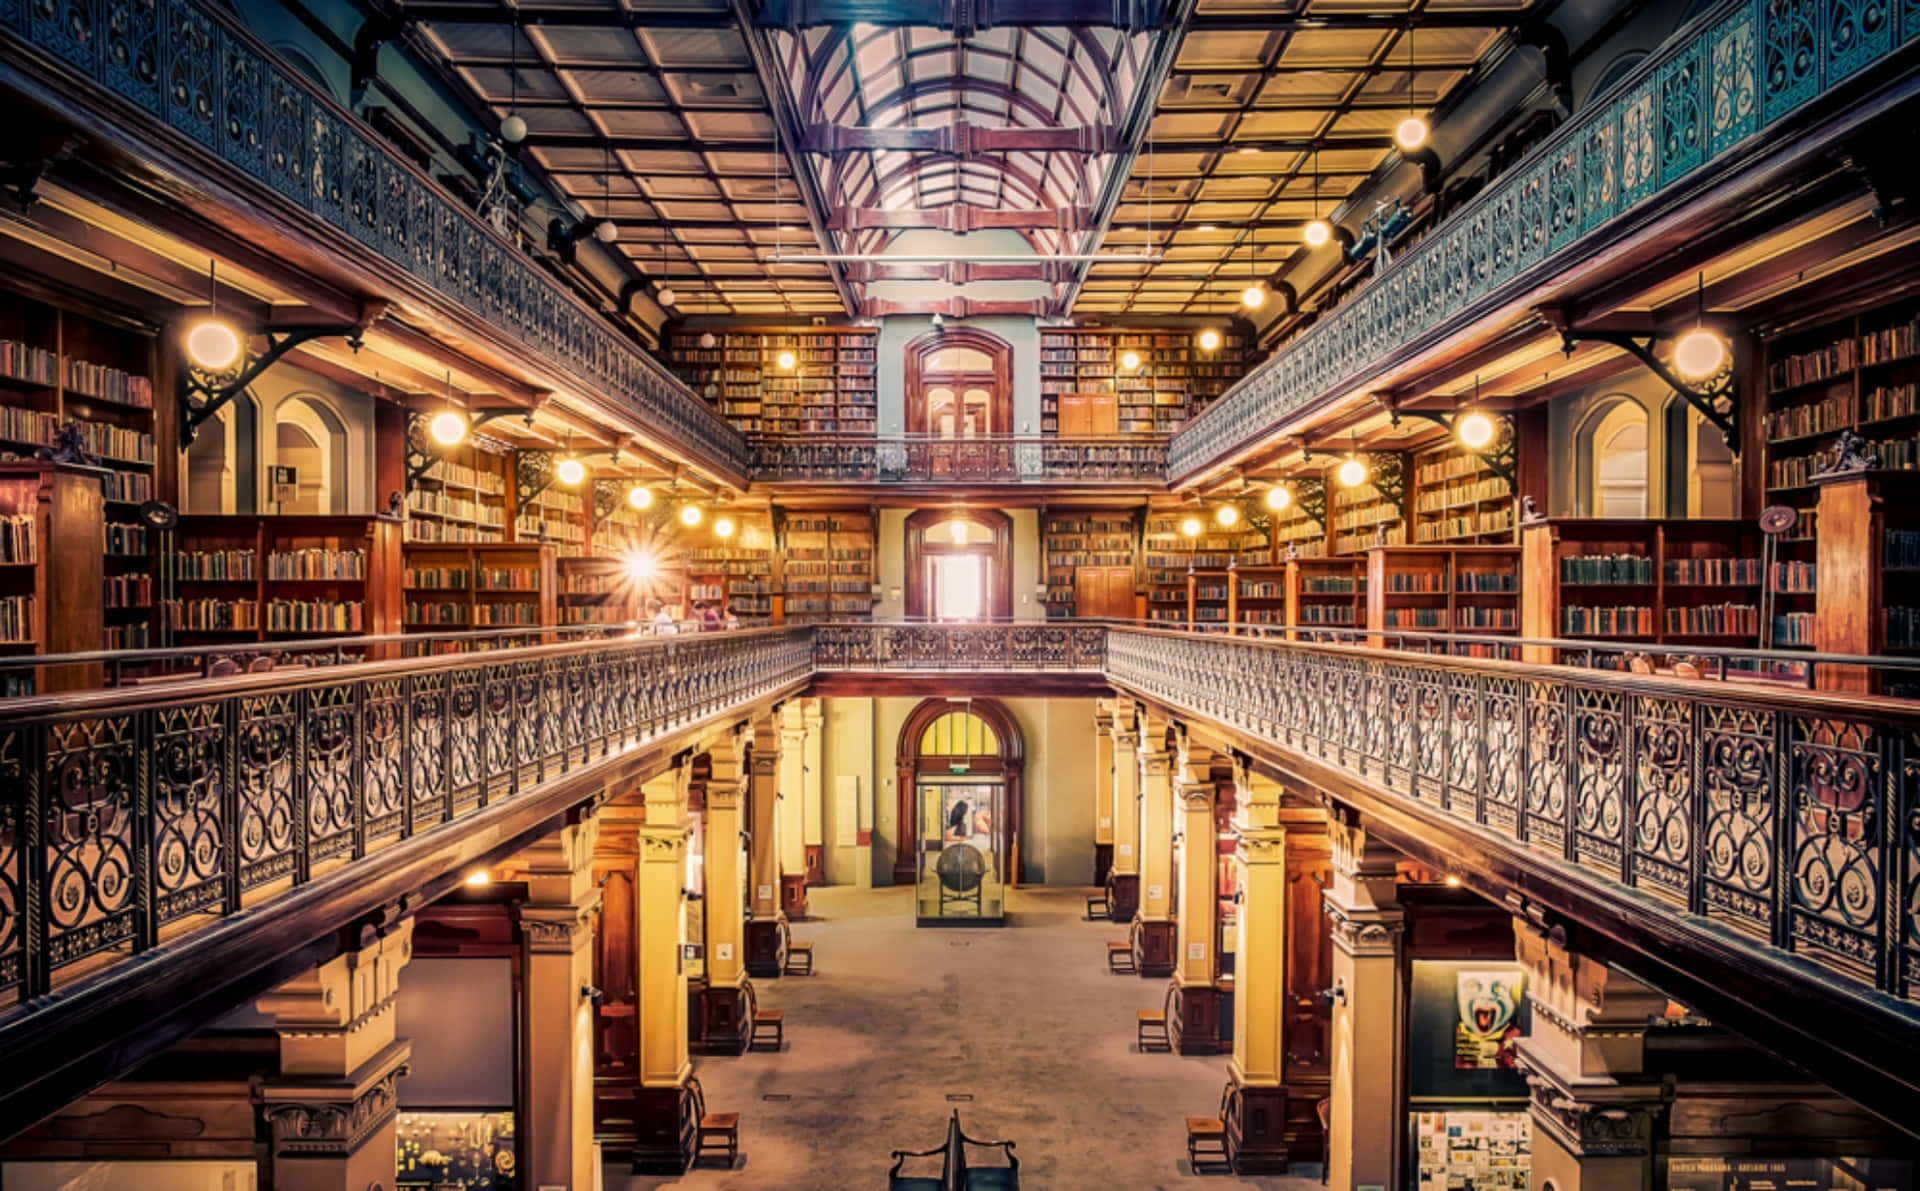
x=723, y=527
x=1351, y=473
x=665, y=296
x=1227, y=515
x=570, y=471
x=1209, y=339
x=1411, y=133
x=1130, y=360
x=640, y=497
x=447, y=428
x=513, y=129
x=787, y=361
x=1253, y=297
x=1317, y=233
x=1699, y=354
x=1475, y=430
x=605, y=232
x=1191, y=527
x=690, y=515
x=708, y=341
x=1279, y=497
x=213, y=344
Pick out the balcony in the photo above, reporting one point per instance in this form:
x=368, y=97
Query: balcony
x=1135, y=461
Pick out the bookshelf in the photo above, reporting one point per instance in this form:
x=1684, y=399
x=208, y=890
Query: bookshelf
x=50, y=527
x=462, y=497
x=557, y=516
x=1086, y=390
x=1868, y=598
x=605, y=591
x=738, y=572
x=833, y=388
x=1296, y=532
x=1444, y=589
x=1090, y=563
x=232, y=579
x=1361, y=515
x=1670, y=582
x=1459, y=498
x=1190, y=580
x=827, y=570
x=1326, y=592
x=454, y=587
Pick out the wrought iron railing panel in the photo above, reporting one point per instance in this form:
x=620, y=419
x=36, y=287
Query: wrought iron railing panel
x=993, y=648
x=977, y=459
x=1793, y=817
x=1740, y=68
x=188, y=64
x=130, y=813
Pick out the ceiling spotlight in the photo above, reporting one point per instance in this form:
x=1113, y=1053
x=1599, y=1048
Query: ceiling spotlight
x=1209, y=339
x=1130, y=360
x=707, y=340
x=1246, y=149
x=787, y=361
x=690, y=515
x=1206, y=227
x=1253, y=297
x=640, y=497
x=479, y=877
x=1279, y=497
x=1317, y=233
x=1191, y=527
x=213, y=344
x=723, y=527
x=570, y=471
x=1227, y=515
x=1351, y=473
x=1411, y=133
x=1475, y=430
x=447, y=428
x=1699, y=354
x=513, y=129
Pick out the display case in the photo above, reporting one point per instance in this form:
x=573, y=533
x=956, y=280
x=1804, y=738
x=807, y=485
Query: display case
x=961, y=880
x=472, y=1149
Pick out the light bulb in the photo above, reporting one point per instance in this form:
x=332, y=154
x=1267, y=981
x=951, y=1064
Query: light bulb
x=1227, y=515
x=707, y=340
x=690, y=515
x=1253, y=297
x=787, y=360
x=213, y=344
x=640, y=496
x=513, y=129
x=1279, y=497
x=605, y=232
x=1209, y=339
x=641, y=566
x=1699, y=354
x=1475, y=430
x=447, y=428
x=1317, y=233
x=1411, y=134
x=479, y=877
x=570, y=471
x=957, y=531
x=666, y=297
x=1130, y=360
x=723, y=527
x=1352, y=473
x=1191, y=527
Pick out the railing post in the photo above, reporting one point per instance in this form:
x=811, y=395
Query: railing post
x=36, y=930
x=1785, y=814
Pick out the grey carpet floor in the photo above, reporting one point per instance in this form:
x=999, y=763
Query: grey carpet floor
x=1024, y=1020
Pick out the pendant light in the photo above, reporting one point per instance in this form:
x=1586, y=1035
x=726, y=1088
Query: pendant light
x=1475, y=429
x=513, y=129
x=640, y=497
x=1255, y=295
x=213, y=344
x=1319, y=231
x=1700, y=353
x=449, y=426
x=1412, y=132
x=1279, y=497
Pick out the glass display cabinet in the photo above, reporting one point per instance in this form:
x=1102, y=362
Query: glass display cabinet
x=961, y=880
x=471, y=1149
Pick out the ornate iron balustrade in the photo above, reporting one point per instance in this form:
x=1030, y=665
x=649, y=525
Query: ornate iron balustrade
x=1738, y=69
x=190, y=65
x=125, y=816
x=1789, y=816
x=1026, y=646
x=983, y=459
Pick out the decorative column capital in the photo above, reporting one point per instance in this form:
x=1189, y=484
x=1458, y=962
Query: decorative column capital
x=1594, y=1118
x=1260, y=845
x=345, y=994
x=333, y=1118
x=1364, y=933
x=559, y=930
x=1155, y=765
x=663, y=845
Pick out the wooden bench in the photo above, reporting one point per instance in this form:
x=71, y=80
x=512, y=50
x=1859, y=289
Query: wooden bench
x=956, y=1174
x=714, y=1133
x=1120, y=958
x=1150, y=1026
x=799, y=959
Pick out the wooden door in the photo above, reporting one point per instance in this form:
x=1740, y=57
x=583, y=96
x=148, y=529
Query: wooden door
x=1103, y=592
x=1073, y=414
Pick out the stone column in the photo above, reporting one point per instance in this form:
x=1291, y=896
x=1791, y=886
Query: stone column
x=663, y=1140
x=792, y=808
x=1593, y=1103
x=1194, y=1024
x=1153, y=924
x=813, y=838
x=767, y=923
x=1364, y=1127
x=556, y=921
x=1257, y=1071
x=1103, y=806
x=724, y=1003
x=1125, y=883
x=330, y=1110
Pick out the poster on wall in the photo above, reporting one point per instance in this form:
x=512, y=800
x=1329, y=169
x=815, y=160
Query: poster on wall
x=1467, y=1150
x=1488, y=1025
x=1690, y=1172
x=966, y=817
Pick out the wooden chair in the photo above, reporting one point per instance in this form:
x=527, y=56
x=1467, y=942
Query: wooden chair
x=1099, y=906
x=1150, y=1027
x=715, y=1132
x=1120, y=958
x=799, y=959
x=1207, y=1139
x=1324, y=1110
x=766, y=1028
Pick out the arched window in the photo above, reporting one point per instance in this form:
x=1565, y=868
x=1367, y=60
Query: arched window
x=310, y=437
x=959, y=766
x=959, y=384
x=959, y=564
x=1613, y=446
x=959, y=734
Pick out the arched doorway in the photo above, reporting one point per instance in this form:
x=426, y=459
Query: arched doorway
x=959, y=384
x=959, y=768
x=959, y=565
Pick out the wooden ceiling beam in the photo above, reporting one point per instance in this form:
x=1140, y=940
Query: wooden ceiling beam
x=957, y=307
x=962, y=139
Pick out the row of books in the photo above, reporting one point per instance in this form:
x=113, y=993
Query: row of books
x=1600, y=569
x=1815, y=417
x=1466, y=525
x=17, y=539
x=1816, y=365
x=1416, y=582
x=138, y=635
x=1432, y=500
x=1793, y=577
x=442, y=504
x=212, y=565
x=1486, y=581
x=315, y=616
x=126, y=539
x=128, y=591
x=23, y=361
x=78, y=377
x=1714, y=620
x=453, y=532
x=1903, y=627
x=317, y=563
x=16, y=620
x=115, y=442
x=459, y=475
x=209, y=615
x=128, y=487
x=1587, y=622
x=1714, y=572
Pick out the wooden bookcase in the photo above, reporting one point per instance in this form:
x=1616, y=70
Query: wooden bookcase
x=557, y=516
x=1459, y=499
x=1190, y=580
x=826, y=570
x=1444, y=589
x=1297, y=534
x=51, y=571
x=1090, y=558
x=832, y=389
x=1869, y=567
x=1669, y=582
x=1259, y=595
x=738, y=571
x=1359, y=514
x=462, y=497
x=599, y=590
x=451, y=587
x=232, y=579
x=1326, y=592
x=1085, y=390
